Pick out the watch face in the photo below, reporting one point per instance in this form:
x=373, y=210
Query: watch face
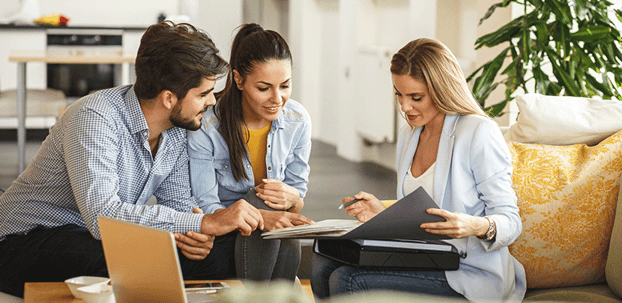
x=492, y=231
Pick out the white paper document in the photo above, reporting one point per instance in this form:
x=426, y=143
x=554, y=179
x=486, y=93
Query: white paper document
x=326, y=228
x=405, y=244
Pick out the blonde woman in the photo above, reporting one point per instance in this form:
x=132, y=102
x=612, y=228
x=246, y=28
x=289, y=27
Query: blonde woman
x=458, y=155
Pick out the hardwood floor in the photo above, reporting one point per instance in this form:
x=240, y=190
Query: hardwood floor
x=333, y=178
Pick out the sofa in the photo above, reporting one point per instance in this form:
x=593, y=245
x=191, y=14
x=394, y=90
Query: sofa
x=567, y=157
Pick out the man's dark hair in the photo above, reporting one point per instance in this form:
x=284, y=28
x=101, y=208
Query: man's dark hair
x=175, y=57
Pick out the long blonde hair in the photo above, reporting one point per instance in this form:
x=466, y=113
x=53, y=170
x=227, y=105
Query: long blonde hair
x=430, y=61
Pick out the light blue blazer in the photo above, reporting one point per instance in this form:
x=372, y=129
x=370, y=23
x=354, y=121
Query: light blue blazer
x=473, y=176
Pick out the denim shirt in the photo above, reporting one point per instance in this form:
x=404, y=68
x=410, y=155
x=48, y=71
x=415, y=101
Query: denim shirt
x=287, y=158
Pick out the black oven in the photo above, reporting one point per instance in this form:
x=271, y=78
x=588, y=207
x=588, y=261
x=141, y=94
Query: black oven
x=78, y=80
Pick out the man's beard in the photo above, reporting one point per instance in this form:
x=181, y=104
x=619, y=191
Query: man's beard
x=186, y=123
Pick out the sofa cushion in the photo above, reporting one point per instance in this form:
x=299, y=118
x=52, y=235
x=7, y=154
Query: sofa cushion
x=567, y=197
x=587, y=293
x=562, y=120
x=613, y=271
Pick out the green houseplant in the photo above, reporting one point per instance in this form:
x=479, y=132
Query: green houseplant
x=557, y=47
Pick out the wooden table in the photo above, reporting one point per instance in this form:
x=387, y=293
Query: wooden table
x=23, y=57
x=58, y=292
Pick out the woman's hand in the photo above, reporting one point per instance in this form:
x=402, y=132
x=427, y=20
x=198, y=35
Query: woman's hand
x=281, y=219
x=367, y=208
x=458, y=225
x=279, y=196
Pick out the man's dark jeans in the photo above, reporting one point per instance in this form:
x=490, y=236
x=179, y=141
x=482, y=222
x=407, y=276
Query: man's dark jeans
x=59, y=253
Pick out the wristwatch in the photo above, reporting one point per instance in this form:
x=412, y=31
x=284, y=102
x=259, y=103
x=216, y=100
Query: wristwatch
x=492, y=230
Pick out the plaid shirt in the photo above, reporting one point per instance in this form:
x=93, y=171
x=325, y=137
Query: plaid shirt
x=97, y=161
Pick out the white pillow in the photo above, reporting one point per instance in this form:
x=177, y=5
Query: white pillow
x=560, y=120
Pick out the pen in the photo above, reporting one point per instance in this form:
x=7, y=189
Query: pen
x=342, y=206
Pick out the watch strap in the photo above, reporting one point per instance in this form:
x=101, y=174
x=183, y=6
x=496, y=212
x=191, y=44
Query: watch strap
x=492, y=230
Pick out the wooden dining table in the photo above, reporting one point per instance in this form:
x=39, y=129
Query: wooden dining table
x=22, y=57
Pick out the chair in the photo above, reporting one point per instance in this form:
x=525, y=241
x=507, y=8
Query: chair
x=39, y=103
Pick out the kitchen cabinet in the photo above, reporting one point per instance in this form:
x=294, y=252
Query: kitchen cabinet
x=33, y=38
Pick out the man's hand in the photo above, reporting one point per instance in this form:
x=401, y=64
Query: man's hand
x=280, y=219
x=367, y=208
x=241, y=216
x=279, y=196
x=195, y=246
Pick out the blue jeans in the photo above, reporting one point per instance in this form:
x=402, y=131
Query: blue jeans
x=259, y=260
x=256, y=259
x=59, y=253
x=330, y=278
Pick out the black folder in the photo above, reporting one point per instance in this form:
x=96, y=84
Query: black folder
x=391, y=239
x=427, y=256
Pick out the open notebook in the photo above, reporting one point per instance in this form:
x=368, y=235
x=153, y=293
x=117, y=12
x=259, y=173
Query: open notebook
x=143, y=264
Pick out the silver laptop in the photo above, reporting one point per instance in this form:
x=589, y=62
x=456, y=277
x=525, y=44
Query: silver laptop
x=143, y=264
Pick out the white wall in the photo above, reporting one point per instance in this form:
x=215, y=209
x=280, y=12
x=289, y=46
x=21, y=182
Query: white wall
x=329, y=91
x=110, y=12
x=330, y=72
x=323, y=35
x=303, y=39
x=220, y=19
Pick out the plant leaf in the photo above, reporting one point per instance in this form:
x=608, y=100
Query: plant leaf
x=486, y=93
x=497, y=109
x=565, y=41
x=611, y=57
x=542, y=80
x=608, y=83
x=488, y=74
x=542, y=34
x=581, y=8
x=560, y=74
x=468, y=79
x=590, y=33
x=584, y=57
x=554, y=89
x=597, y=85
x=492, y=8
x=560, y=10
x=503, y=34
x=578, y=38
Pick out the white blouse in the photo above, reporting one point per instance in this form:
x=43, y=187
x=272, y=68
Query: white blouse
x=426, y=180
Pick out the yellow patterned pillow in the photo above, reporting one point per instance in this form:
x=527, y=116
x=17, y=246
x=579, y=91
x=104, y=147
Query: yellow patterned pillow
x=567, y=198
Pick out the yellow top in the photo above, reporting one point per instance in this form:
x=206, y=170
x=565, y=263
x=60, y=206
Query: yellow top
x=387, y=203
x=257, y=147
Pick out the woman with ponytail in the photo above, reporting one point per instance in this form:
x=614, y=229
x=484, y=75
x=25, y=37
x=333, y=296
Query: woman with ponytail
x=255, y=141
